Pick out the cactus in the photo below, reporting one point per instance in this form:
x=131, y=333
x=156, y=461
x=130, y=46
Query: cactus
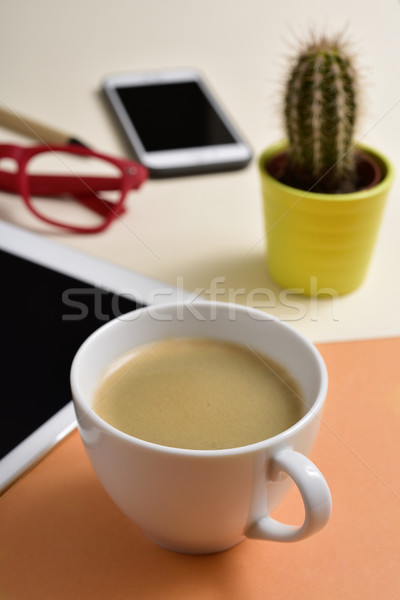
x=320, y=112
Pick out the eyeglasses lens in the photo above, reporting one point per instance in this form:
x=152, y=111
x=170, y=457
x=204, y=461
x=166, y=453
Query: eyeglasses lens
x=73, y=190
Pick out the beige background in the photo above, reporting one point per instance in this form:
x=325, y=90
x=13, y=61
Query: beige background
x=206, y=233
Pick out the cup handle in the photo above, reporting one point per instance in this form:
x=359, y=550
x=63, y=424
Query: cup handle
x=314, y=492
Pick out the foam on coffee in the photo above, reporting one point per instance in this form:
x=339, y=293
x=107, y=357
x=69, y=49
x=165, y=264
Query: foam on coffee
x=198, y=393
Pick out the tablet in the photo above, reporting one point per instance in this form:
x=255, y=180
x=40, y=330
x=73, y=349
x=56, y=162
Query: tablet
x=52, y=298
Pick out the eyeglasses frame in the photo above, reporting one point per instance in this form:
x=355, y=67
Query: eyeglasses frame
x=82, y=188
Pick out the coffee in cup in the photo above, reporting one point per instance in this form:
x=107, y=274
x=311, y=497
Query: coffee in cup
x=205, y=500
x=198, y=393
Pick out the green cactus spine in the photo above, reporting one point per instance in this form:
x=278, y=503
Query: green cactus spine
x=320, y=114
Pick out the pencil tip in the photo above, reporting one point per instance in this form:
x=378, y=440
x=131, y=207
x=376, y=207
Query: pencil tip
x=76, y=142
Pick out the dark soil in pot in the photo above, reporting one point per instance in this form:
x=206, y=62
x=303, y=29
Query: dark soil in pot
x=368, y=173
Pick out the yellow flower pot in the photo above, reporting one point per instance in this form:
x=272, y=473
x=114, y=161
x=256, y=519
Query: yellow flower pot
x=321, y=241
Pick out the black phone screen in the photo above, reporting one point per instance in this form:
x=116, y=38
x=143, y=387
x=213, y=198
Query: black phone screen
x=45, y=317
x=170, y=116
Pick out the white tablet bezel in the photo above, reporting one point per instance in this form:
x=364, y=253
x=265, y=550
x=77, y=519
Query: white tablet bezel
x=179, y=161
x=96, y=272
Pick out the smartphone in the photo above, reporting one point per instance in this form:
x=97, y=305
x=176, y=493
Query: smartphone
x=174, y=123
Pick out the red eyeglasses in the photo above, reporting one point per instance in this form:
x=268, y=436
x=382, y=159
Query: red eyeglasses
x=70, y=186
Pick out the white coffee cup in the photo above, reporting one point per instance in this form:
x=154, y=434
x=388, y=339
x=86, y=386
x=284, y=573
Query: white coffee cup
x=202, y=501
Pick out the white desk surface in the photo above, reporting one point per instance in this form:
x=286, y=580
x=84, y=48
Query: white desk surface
x=205, y=233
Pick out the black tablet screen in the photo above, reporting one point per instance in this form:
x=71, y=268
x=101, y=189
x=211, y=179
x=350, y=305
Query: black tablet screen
x=45, y=316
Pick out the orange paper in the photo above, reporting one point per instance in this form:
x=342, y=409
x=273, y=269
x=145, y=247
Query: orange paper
x=62, y=537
